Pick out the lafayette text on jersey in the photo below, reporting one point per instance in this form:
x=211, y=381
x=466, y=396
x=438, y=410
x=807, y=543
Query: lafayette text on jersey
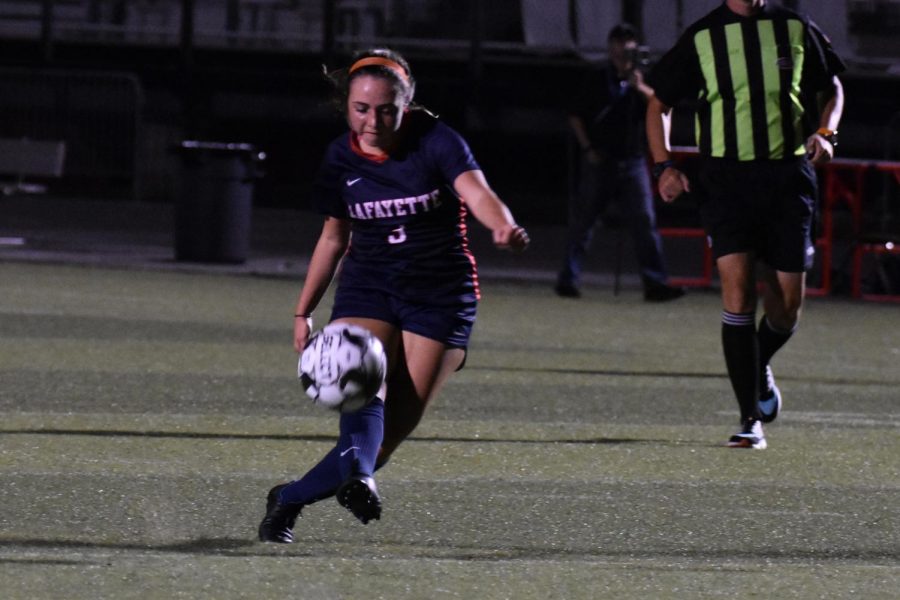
x=408, y=225
x=755, y=79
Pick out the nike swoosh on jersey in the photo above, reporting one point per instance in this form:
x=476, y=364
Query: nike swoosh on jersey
x=353, y=181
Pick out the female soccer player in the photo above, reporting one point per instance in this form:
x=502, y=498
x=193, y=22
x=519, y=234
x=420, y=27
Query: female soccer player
x=399, y=185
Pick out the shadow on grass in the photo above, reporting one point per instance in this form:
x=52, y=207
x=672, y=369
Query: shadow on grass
x=33, y=560
x=442, y=551
x=673, y=374
x=211, y=546
x=331, y=438
x=603, y=372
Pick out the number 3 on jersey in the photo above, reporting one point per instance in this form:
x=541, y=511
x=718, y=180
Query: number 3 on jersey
x=398, y=236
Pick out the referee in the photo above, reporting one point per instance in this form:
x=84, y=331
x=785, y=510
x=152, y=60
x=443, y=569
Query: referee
x=768, y=103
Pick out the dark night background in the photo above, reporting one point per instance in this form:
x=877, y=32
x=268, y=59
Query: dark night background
x=237, y=75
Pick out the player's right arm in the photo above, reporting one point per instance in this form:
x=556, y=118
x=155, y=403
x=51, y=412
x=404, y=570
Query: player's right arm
x=330, y=249
x=672, y=182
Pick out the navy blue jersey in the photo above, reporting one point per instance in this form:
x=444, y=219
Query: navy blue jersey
x=408, y=225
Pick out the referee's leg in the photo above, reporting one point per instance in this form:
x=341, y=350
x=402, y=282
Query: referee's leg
x=739, y=342
x=782, y=297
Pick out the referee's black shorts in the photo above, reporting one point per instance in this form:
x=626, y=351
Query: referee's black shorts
x=763, y=207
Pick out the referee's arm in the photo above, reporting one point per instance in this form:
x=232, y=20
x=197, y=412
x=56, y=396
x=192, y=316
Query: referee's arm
x=672, y=182
x=818, y=148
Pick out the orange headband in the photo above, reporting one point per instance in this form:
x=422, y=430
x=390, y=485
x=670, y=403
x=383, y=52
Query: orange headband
x=381, y=62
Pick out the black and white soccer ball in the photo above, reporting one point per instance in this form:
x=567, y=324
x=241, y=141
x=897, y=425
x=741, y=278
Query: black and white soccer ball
x=342, y=367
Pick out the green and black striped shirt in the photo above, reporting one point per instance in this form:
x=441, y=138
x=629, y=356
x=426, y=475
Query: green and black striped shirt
x=755, y=80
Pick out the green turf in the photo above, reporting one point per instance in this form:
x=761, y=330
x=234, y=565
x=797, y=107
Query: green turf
x=143, y=416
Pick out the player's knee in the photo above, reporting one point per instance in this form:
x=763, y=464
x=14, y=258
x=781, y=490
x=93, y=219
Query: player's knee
x=786, y=317
x=739, y=300
x=793, y=303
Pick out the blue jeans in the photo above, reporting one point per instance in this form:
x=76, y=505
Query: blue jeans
x=626, y=184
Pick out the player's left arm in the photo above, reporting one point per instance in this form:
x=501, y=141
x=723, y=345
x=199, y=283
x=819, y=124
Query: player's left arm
x=821, y=66
x=490, y=211
x=820, y=149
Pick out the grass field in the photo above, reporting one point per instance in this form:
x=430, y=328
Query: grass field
x=144, y=415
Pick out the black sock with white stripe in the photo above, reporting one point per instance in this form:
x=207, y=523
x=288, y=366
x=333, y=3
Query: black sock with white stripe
x=741, y=349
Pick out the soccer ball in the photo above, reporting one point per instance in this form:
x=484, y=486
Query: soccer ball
x=342, y=367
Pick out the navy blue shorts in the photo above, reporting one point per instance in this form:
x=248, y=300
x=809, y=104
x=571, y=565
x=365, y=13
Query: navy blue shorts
x=451, y=324
x=765, y=208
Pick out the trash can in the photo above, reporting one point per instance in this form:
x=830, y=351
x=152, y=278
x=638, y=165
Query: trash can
x=215, y=202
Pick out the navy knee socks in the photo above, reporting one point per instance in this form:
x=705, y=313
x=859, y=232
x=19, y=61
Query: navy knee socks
x=361, y=435
x=360, y=438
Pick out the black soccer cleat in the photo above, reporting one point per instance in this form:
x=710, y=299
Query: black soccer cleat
x=360, y=496
x=278, y=524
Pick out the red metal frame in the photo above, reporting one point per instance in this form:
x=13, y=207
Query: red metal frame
x=843, y=181
x=886, y=247
x=704, y=280
x=680, y=154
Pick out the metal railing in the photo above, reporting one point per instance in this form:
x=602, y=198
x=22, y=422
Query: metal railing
x=532, y=27
x=97, y=115
x=288, y=25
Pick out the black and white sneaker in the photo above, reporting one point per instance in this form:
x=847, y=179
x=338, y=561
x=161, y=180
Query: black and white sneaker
x=360, y=496
x=278, y=524
x=769, y=398
x=750, y=436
